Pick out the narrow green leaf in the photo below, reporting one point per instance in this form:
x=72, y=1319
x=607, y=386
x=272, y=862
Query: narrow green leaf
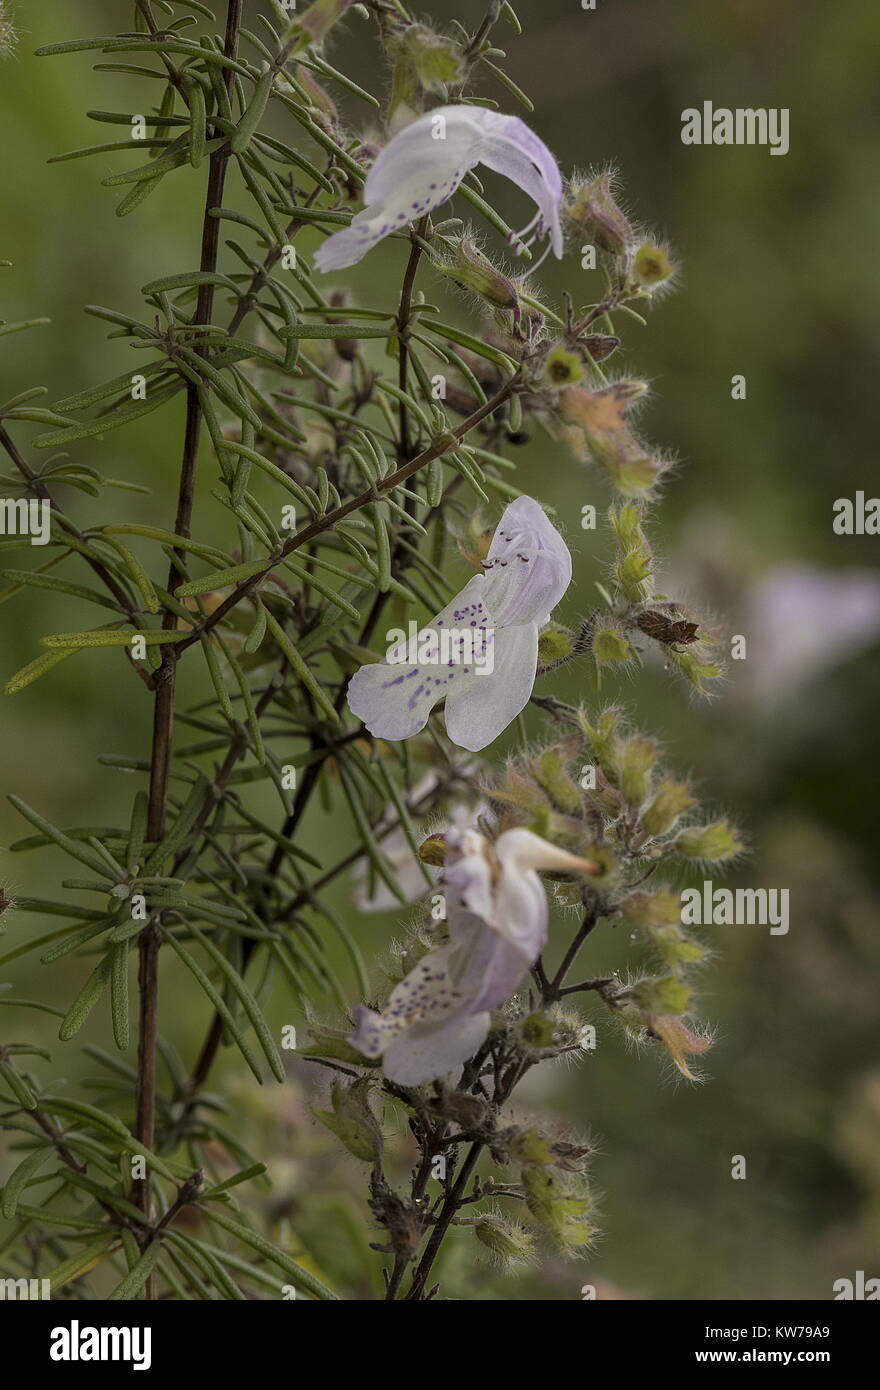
x=137, y=832
x=465, y=340
x=302, y=1279
x=207, y=645
x=248, y=1002
x=7, y=328
x=335, y=330
x=18, y=1086
x=119, y=994
x=34, y=670
x=254, y=639
x=219, y=1004
x=136, y=1278
x=198, y=116
x=85, y=1001
x=169, y=538
x=383, y=547
x=137, y=572
x=249, y=122
x=18, y=1180
x=58, y=837
x=110, y=637
x=256, y=1170
x=90, y=429
x=220, y=579
x=300, y=668
x=80, y=1262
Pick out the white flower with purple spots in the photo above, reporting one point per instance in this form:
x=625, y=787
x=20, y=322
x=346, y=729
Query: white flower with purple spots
x=528, y=569
x=422, y=166
x=496, y=908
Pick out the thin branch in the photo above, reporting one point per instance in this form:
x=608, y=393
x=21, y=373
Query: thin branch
x=163, y=718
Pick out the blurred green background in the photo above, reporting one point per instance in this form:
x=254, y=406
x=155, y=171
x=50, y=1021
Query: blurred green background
x=778, y=283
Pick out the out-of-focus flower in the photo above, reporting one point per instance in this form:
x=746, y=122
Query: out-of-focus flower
x=496, y=907
x=422, y=166
x=528, y=569
x=802, y=620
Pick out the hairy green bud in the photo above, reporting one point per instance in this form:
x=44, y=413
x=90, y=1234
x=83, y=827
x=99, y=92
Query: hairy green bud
x=638, y=756
x=555, y=644
x=609, y=646
x=508, y=1242
x=650, y=267
x=671, y=800
x=550, y=772
x=715, y=842
x=561, y=1212
x=592, y=207
x=352, y=1119
x=474, y=271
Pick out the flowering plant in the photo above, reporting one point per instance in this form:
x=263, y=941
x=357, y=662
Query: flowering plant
x=359, y=455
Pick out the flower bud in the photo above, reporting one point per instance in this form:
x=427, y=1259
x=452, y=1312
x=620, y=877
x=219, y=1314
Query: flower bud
x=562, y=367
x=665, y=995
x=604, y=736
x=530, y=1146
x=550, y=1031
x=438, y=60
x=352, y=1120
x=561, y=1212
x=650, y=267
x=715, y=842
x=671, y=800
x=595, y=427
x=316, y=23
x=592, y=207
x=657, y=909
x=508, y=1242
x=679, y=1041
x=550, y=772
x=658, y=914
x=474, y=271
x=333, y=1044
x=555, y=644
x=608, y=644
x=634, y=566
x=692, y=663
x=434, y=850
x=323, y=104
x=637, y=758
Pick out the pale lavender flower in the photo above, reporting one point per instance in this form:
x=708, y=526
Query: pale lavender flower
x=422, y=166
x=803, y=620
x=496, y=910
x=528, y=569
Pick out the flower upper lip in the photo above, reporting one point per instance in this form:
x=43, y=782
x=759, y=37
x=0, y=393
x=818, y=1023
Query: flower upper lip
x=528, y=569
x=417, y=172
